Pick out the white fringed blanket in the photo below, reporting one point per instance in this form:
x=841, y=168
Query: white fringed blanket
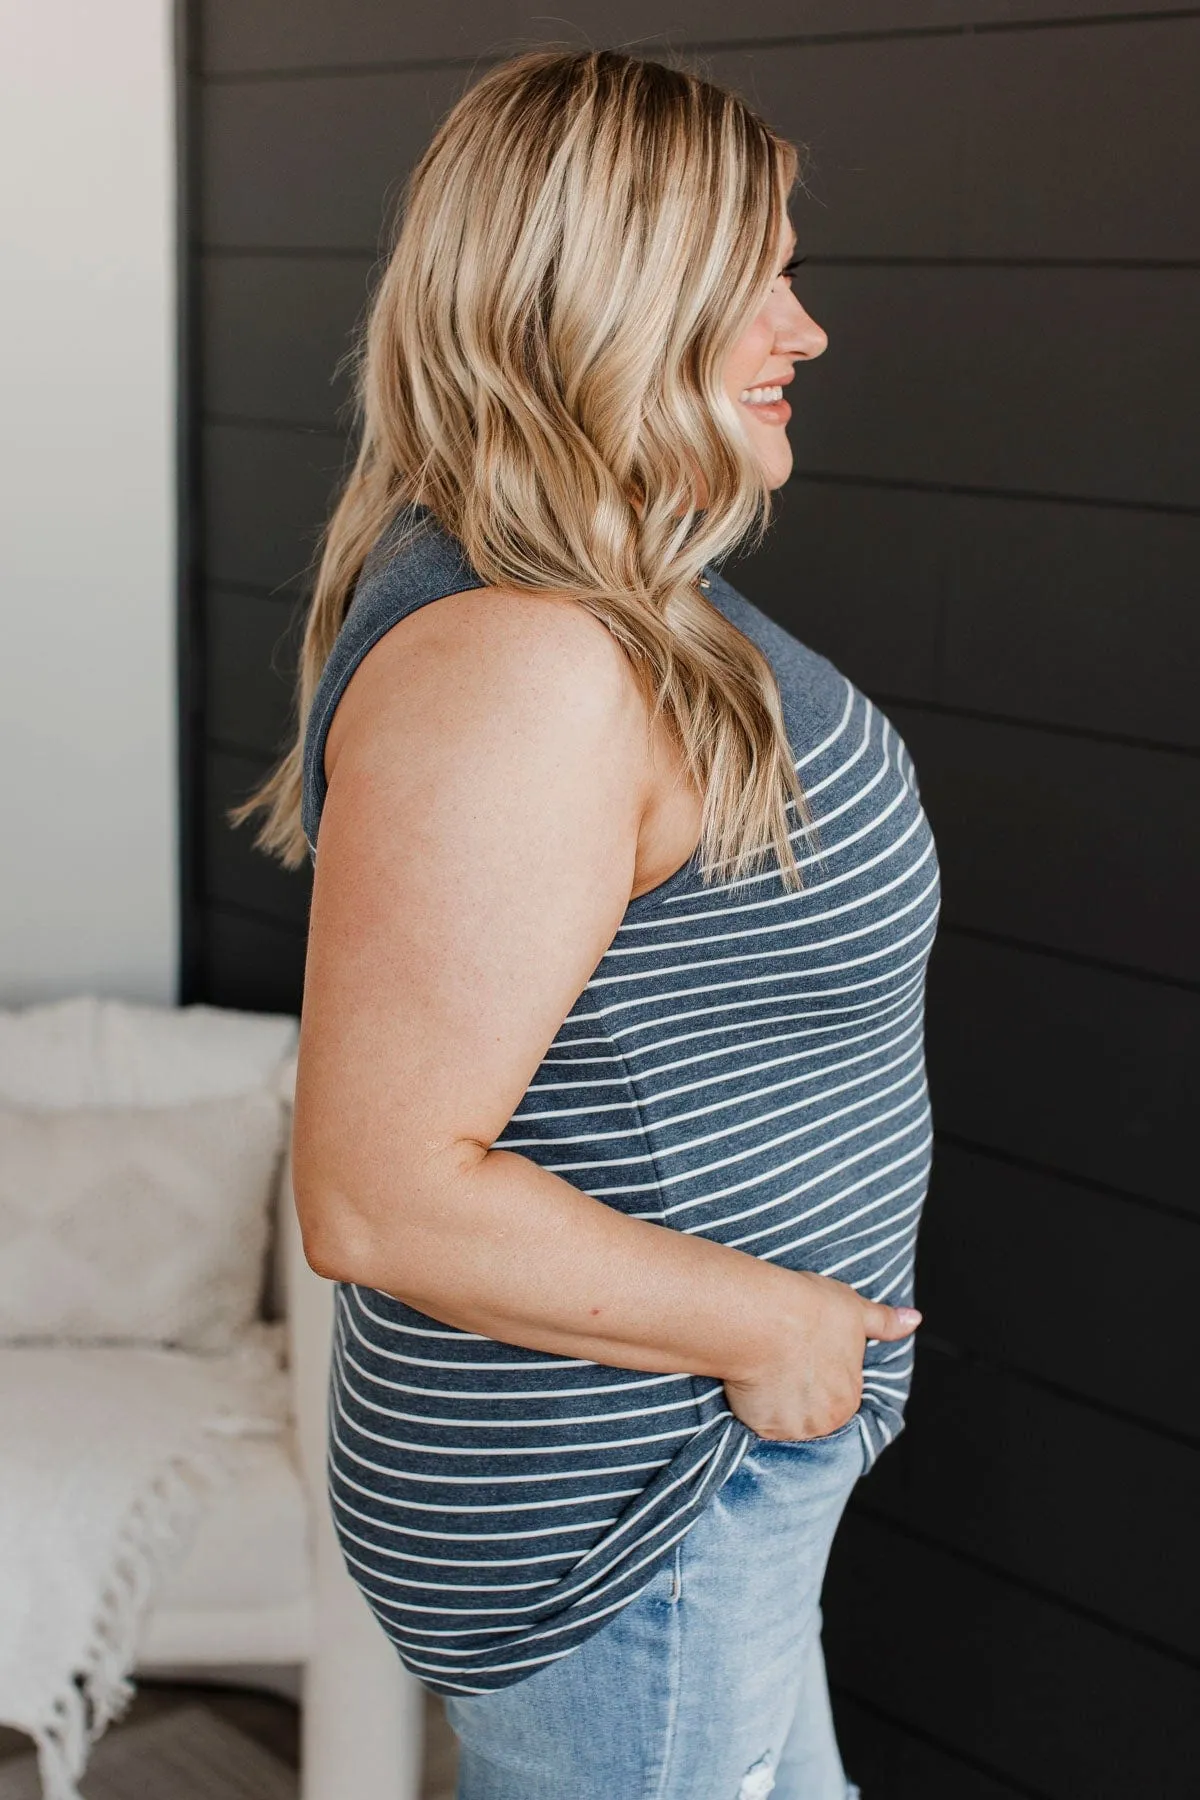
x=107, y=1459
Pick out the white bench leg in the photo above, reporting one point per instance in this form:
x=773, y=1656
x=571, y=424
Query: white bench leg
x=363, y=1720
x=362, y=1732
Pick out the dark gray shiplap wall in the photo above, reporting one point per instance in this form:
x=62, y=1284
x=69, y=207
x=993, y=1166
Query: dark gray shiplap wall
x=993, y=528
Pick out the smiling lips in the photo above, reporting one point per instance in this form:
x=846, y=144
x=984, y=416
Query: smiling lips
x=767, y=404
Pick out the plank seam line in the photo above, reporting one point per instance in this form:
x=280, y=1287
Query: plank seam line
x=1070, y=1177
x=703, y=46
x=1073, y=958
x=1035, y=1590
x=922, y=1736
x=1088, y=733
x=830, y=260
x=255, y=914
x=972, y=491
x=295, y=427
x=930, y=1345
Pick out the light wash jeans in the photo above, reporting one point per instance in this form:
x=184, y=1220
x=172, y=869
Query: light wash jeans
x=710, y=1685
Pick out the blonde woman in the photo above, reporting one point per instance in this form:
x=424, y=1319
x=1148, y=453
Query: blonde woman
x=611, y=1121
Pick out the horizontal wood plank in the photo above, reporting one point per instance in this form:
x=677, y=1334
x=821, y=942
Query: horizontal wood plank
x=250, y=670
x=1004, y=378
x=1046, y=1698
x=882, y=126
x=1040, y=1487
x=1077, y=1287
x=237, y=874
x=247, y=35
x=885, y=1760
x=317, y=163
x=977, y=145
x=277, y=334
x=1084, y=143
x=859, y=574
x=1052, y=838
x=267, y=497
x=1078, y=1069
x=992, y=144
x=1075, y=615
x=249, y=963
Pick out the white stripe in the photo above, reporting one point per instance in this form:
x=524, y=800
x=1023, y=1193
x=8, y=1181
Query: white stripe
x=833, y=1018
x=720, y=962
x=797, y=925
x=712, y=1137
x=742, y=1049
x=744, y=1072
x=492, y=1450
x=583, y=1390
x=839, y=1223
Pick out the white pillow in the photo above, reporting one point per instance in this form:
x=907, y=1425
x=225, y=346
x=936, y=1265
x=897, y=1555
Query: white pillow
x=137, y=1224
x=88, y=1051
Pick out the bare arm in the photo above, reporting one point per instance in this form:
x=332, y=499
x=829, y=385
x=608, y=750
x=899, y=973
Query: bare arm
x=489, y=770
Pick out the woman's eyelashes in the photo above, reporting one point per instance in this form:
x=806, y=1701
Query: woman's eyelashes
x=790, y=268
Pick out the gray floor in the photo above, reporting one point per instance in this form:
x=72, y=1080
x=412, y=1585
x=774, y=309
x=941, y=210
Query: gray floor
x=269, y=1721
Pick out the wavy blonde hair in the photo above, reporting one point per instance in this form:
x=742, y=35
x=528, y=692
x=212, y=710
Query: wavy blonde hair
x=582, y=243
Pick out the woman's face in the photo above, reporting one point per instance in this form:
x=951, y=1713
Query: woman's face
x=760, y=365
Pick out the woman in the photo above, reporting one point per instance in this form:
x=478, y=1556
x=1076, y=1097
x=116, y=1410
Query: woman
x=611, y=1121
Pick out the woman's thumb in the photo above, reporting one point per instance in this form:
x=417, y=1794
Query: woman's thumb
x=890, y=1322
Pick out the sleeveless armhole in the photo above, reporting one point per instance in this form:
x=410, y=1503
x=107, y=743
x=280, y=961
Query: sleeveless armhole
x=394, y=583
x=414, y=563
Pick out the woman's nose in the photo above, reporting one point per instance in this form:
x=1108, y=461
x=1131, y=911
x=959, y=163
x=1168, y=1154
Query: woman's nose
x=804, y=337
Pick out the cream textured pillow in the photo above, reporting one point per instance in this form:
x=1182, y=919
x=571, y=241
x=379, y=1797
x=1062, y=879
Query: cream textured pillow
x=137, y=1224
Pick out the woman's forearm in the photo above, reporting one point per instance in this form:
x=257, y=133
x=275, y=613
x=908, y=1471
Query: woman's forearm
x=502, y=1247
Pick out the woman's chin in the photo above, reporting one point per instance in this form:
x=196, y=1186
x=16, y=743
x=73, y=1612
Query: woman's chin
x=774, y=452
x=777, y=464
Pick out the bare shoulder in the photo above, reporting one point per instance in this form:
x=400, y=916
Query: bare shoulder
x=478, y=849
x=497, y=661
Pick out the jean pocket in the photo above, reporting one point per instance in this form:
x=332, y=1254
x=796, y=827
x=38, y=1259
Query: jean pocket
x=829, y=1437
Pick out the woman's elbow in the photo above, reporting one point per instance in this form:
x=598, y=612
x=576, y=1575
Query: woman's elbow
x=363, y=1235
x=338, y=1242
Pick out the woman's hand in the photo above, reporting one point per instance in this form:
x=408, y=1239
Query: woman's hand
x=812, y=1383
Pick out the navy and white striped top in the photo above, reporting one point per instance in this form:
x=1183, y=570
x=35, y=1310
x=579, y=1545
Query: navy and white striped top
x=744, y=1062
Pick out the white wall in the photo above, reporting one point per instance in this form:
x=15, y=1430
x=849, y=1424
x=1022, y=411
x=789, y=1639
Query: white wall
x=88, y=899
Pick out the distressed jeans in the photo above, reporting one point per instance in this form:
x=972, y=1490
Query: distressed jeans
x=710, y=1684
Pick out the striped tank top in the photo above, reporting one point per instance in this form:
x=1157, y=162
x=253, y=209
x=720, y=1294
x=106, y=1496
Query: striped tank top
x=744, y=1062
